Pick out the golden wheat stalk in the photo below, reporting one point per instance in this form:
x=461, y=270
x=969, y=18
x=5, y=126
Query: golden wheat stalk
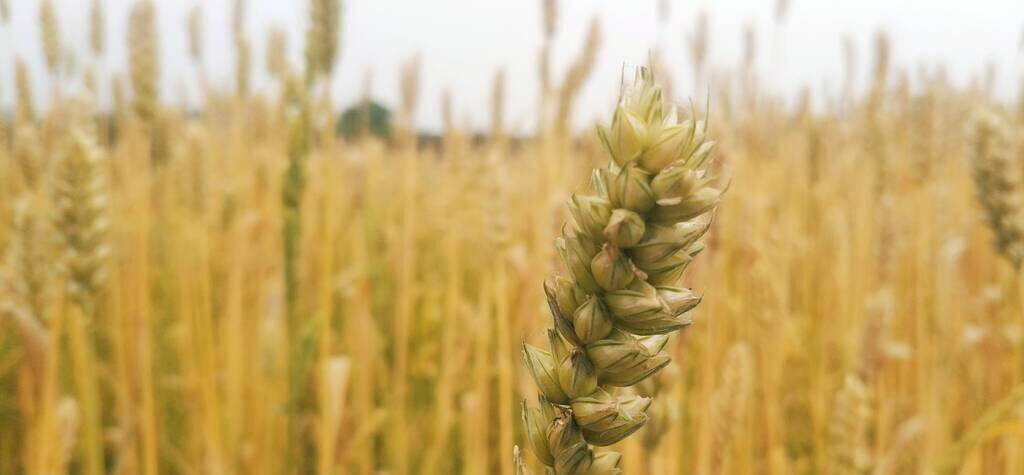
x=631, y=242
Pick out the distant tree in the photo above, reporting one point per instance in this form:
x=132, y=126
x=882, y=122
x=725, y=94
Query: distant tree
x=369, y=118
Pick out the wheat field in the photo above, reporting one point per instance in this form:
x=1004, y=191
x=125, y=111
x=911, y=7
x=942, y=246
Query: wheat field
x=238, y=289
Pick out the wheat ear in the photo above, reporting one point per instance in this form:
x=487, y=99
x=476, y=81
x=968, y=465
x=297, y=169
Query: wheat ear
x=998, y=182
x=632, y=240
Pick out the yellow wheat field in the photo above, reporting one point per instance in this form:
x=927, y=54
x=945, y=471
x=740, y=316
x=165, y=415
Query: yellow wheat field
x=242, y=291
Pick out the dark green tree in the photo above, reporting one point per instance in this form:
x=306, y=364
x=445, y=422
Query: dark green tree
x=368, y=118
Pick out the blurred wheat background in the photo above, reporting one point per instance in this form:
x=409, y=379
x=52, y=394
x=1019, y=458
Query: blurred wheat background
x=258, y=281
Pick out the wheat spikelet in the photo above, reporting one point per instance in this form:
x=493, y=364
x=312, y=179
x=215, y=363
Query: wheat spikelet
x=729, y=403
x=277, y=53
x=323, y=36
x=631, y=242
x=80, y=220
x=997, y=177
x=26, y=111
x=96, y=28
x=143, y=51
x=195, y=33
x=576, y=76
x=849, y=452
x=50, y=31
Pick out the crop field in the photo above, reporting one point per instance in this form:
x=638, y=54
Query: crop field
x=266, y=283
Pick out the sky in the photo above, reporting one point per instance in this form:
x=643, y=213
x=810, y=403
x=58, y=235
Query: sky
x=462, y=43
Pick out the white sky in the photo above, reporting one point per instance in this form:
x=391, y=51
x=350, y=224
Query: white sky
x=463, y=42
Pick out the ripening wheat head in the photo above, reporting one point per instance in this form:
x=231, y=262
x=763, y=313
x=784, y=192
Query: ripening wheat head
x=96, y=28
x=997, y=177
x=849, y=452
x=26, y=110
x=195, y=33
x=50, y=31
x=80, y=218
x=25, y=265
x=142, y=55
x=277, y=53
x=633, y=238
x=322, y=37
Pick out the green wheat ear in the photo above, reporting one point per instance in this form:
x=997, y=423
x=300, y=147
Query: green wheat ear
x=634, y=235
x=997, y=177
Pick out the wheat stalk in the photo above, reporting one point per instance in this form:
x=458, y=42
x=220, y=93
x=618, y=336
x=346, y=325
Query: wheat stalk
x=631, y=242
